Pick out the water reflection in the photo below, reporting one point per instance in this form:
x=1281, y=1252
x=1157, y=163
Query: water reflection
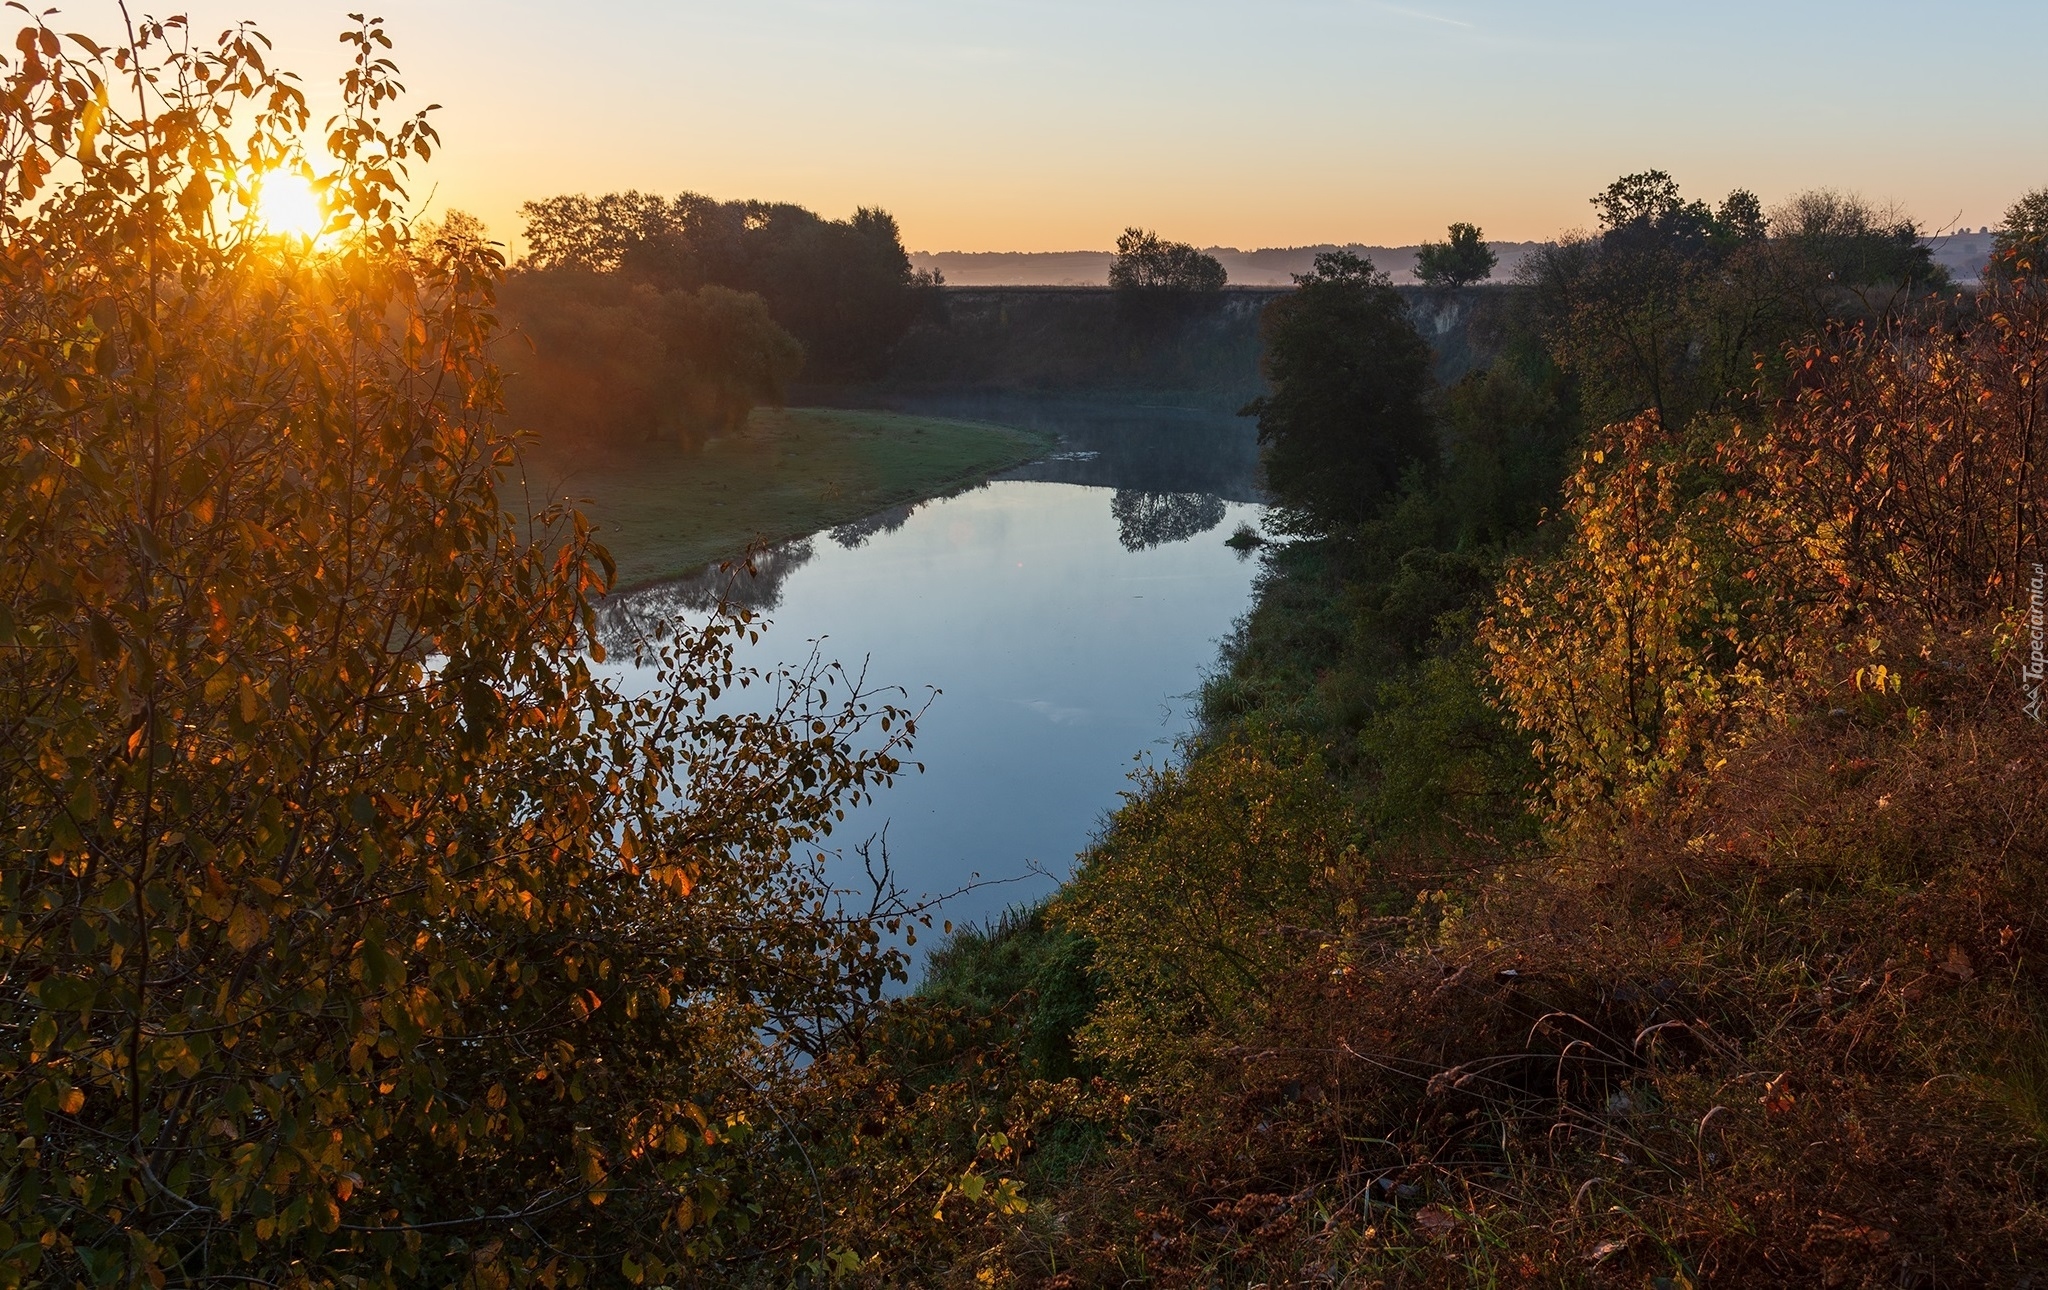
x=753, y=583
x=1059, y=648
x=857, y=533
x=1145, y=520
x=1149, y=447
x=1065, y=623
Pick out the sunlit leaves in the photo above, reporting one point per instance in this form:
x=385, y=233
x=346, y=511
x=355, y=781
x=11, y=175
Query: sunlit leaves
x=1894, y=498
x=330, y=956
x=1199, y=886
x=1605, y=651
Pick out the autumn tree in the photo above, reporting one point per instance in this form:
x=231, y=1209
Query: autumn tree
x=1890, y=504
x=353, y=928
x=1605, y=650
x=2021, y=243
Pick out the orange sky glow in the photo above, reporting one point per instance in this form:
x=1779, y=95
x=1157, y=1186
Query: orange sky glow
x=1049, y=125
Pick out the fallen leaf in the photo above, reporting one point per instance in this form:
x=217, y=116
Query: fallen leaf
x=1436, y=1220
x=1605, y=1250
x=1958, y=964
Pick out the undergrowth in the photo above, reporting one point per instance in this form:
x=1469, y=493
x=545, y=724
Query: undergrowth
x=1655, y=898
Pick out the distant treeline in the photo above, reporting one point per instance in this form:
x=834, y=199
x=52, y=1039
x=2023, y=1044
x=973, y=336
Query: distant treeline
x=644, y=317
x=1042, y=340
x=1962, y=252
x=1053, y=339
x=649, y=316
x=1273, y=266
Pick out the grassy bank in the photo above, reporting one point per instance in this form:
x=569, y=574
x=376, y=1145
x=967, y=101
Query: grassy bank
x=665, y=511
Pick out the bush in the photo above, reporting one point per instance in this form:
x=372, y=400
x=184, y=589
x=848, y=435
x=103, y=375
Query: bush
x=1206, y=880
x=597, y=362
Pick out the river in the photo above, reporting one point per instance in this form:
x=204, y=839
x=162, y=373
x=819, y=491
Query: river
x=1060, y=618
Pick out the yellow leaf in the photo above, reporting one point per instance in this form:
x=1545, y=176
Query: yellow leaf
x=247, y=927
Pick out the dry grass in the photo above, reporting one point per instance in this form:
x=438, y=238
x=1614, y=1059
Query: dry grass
x=1786, y=1032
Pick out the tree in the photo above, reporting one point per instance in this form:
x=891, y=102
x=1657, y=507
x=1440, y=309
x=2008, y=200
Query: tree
x=2021, y=243
x=1741, y=218
x=356, y=930
x=727, y=356
x=1459, y=261
x=1147, y=265
x=610, y=363
x=843, y=288
x=1668, y=307
x=1348, y=414
x=1604, y=649
x=1854, y=243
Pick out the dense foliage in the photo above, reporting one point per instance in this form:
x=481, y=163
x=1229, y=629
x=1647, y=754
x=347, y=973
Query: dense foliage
x=353, y=928
x=1668, y=309
x=843, y=288
x=2021, y=245
x=1347, y=416
x=1460, y=260
x=596, y=362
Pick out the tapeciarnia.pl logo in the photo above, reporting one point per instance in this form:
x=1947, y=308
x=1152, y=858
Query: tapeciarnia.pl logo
x=2036, y=670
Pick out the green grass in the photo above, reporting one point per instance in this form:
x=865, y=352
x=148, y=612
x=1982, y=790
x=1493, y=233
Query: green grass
x=665, y=511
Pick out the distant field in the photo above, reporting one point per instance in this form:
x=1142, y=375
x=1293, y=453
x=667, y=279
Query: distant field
x=668, y=512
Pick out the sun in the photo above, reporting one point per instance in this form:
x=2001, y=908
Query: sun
x=287, y=206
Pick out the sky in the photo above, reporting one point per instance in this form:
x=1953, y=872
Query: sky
x=1053, y=124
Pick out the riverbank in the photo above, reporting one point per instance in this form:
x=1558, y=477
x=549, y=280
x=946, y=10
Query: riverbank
x=667, y=511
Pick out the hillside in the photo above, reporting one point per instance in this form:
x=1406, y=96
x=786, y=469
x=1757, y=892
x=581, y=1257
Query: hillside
x=1076, y=341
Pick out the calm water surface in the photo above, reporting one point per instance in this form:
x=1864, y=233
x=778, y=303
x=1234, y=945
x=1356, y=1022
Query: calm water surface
x=1064, y=616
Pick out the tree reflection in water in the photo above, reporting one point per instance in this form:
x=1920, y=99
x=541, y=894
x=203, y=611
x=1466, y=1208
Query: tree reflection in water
x=858, y=532
x=1145, y=520
x=753, y=583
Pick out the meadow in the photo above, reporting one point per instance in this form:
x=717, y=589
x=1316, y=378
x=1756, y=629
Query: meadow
x=668, y=510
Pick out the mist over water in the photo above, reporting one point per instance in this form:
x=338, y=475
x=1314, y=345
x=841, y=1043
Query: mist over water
x=1060, y=619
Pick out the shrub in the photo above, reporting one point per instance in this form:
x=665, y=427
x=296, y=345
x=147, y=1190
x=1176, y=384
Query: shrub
x=1605, y=651
x=599, y=362
x=1206, y=880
